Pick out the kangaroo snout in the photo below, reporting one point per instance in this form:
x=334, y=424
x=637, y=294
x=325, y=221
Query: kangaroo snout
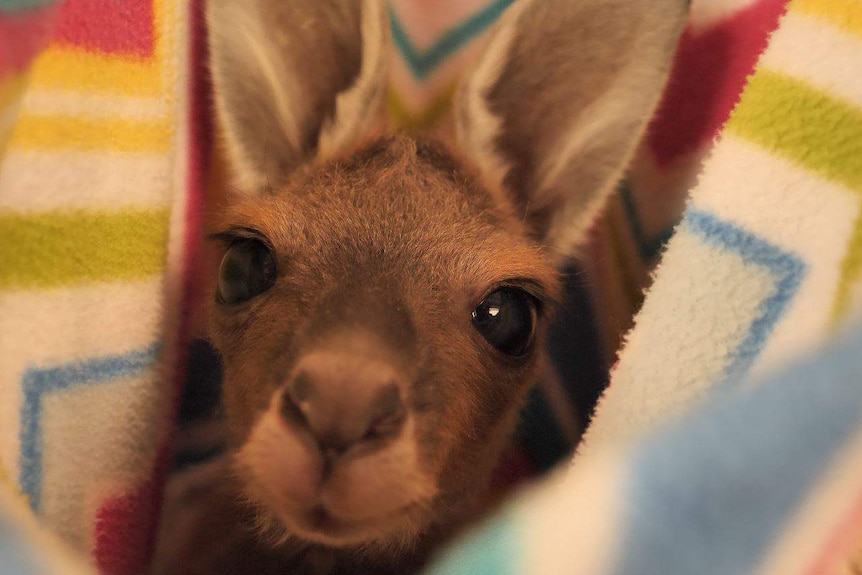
x=345, y=401
x=336, y=454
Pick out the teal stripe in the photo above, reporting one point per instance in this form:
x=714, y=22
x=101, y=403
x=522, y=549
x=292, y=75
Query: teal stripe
x=649, y=248
x=423, y=63
x=10, y=6
x=494, y=549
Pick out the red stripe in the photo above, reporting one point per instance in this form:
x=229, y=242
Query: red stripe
x=109, y=26
x=709, y=71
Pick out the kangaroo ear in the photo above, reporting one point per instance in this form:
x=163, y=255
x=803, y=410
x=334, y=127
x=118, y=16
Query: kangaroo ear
x=294, y=80
x=556, y=104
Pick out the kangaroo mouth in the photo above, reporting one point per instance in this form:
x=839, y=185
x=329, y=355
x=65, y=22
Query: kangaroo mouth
x=321, y=525
x=382, y=495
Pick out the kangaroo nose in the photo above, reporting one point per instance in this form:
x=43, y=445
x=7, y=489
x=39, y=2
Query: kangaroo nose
x=344, y=400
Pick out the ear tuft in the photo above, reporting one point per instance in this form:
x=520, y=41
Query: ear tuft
x=294, y=80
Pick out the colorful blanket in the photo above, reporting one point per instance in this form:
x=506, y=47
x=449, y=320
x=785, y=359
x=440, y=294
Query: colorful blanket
x=103, y=151
x=713, y=450
x=764, y=482
x=766, y=260
x=99, y=199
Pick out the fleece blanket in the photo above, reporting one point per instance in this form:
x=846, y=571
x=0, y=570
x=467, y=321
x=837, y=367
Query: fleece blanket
x=761, y=482
x=713, y=451
x=99, y=199
x=104, y=147
x=766, y=260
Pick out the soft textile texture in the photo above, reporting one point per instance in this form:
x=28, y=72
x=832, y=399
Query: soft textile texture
x=97, y=174
x=697, y=459
x=766, y=259
x=767, y=481
x=716, y=53
x=101, y=156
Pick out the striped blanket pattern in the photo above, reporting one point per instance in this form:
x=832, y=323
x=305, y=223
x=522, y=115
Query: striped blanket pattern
x=767, y=259
x=97, y=174
x=714, y=450
x=100, y=179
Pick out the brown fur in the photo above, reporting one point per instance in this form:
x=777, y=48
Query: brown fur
x=388, y=243
x=406, y=261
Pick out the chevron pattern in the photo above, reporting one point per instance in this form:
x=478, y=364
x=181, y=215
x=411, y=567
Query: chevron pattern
x=94, y=151
x=764, y=262
x=433, y=43
x=719, y=47
x=423, y=62
x=39, y=383
x=677, y=475
x=786, y=268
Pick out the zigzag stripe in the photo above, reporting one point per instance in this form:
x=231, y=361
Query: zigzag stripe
x=648, y=247
x=787, y=268
x=416, y=122
x=38, y=382
x=423, y=63
x=797, y=109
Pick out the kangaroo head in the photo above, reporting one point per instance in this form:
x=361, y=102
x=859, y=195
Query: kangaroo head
x=381, y=300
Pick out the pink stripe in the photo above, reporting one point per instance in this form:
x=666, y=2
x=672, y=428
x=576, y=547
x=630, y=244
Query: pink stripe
x=840, y=544
x=23, y=36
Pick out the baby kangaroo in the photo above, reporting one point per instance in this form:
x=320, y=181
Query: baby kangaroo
x=381, y=300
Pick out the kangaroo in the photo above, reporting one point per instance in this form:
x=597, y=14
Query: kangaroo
x=381, y=300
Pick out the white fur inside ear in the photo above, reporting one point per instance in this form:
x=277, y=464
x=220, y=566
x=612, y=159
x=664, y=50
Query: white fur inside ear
x=353, y=106
x=590, y=131
x=240, y=30
x=610, y=122
x=590, y=128
x=476, y=125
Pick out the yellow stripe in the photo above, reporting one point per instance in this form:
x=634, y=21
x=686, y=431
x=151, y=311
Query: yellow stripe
x=75, y=68
x=417, y=122
x=69, y=132
x=851, y=269
x=59, y=248
x=12, y=88
x=792, y=119
x=166, y=24
x=843, y=14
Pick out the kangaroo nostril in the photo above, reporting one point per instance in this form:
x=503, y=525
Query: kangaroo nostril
x=300, y=387
x=294, y=399
x=387, y=413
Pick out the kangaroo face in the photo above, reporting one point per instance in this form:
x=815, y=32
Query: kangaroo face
x=380, y=322
x=381, y=299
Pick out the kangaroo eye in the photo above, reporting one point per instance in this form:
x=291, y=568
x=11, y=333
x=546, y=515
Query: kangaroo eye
x=247, y=270
x=507, y=319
